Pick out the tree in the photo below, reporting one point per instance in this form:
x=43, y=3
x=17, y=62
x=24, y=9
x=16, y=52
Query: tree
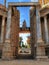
x=28, y=41
x=20, y=41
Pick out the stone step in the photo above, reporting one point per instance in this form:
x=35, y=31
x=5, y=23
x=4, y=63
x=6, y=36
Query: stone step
x=42, y=58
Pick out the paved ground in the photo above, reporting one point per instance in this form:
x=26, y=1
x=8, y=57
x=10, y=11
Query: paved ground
x=24, y=62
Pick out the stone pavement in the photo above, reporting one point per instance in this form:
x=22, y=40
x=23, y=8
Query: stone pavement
x=24, y=62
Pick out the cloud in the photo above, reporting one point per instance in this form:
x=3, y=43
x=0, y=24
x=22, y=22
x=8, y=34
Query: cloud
x=24, y=0
x=21, y=0
x=28, y=0
x=34, y=0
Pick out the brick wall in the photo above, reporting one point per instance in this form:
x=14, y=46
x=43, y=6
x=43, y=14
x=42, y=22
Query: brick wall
x=15, y=32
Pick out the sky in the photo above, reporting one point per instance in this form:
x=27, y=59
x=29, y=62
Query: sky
x=24, y=11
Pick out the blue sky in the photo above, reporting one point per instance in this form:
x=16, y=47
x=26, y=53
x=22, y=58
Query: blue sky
x=24, y=11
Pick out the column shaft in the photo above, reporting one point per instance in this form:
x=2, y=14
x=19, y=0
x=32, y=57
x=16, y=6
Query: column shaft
x=46, y=29
x=8, y=24
x=2, y=30
x=38, y=24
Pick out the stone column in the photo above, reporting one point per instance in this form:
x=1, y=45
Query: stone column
x=2, y=30
x=7, y=50
x=40, y=44
x=46, y=29
x=8, y=23
x=33, y=31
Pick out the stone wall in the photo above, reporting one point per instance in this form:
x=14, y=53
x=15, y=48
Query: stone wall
x=33, y=31
x=15, y=32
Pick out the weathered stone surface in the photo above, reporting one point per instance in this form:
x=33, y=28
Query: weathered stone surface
x=40, y=43
x=43, y=1
x=11, y=33
x=8, y=23
x=33, y=31
x=15, y=32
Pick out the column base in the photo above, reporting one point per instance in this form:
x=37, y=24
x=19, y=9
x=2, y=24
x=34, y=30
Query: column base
x=7, y=51
x=7, y=56
x=41, y=57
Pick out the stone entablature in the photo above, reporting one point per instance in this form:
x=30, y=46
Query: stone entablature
x=44, y=11
x=46, y=1
x=23, y=3
x=41, y=2
x=3, y=10
x=3, y=7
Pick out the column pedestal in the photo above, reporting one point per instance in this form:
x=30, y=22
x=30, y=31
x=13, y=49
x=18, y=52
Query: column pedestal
x=7, y=48
x=7, y=51
x=41, y=50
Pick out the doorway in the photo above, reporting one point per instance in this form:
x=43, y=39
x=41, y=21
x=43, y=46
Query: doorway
x=25, y=45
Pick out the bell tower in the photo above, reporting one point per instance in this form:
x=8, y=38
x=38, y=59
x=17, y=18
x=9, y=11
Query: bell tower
x=5, y=3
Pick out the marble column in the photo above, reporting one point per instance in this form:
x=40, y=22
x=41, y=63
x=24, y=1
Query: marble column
x=40, y=52
x=8, y=23
x=38, y=24
x=46, y=29
x=2, y=30
x=7, y=50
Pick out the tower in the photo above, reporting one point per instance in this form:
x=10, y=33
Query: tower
x=5, y=3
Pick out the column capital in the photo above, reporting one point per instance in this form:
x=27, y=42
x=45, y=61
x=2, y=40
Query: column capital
x=10, y=7
x=38, y=7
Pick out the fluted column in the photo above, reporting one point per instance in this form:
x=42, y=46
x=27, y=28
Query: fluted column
x=2, y=30
x=46, y=29
x=38, y=25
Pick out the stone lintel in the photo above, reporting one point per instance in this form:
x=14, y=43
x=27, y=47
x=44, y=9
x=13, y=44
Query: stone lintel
x=44, y=12
x=23, y=3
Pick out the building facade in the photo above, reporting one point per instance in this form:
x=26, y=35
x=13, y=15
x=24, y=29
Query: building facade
x=39, y=30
